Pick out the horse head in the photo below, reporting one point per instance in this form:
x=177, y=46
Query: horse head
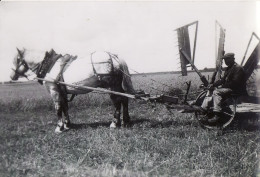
x=20, y=65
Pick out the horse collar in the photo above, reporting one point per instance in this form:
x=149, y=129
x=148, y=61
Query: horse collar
x=47, y=64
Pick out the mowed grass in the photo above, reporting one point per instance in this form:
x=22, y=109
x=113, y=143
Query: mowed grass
x=158, y=143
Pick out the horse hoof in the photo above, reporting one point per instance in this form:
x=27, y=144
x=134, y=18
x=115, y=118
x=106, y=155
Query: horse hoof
x=113, y=125
x=59, y=129
x=66, y=126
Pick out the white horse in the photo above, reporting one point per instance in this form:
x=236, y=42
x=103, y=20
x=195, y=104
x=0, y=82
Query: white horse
x=105, y=70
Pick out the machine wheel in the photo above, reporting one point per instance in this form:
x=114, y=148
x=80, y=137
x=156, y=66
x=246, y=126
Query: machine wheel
x=227, y=116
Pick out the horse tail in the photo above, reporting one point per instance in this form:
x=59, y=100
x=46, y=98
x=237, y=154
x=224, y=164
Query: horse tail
x=127, y=84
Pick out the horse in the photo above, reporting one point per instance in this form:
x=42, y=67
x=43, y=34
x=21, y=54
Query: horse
x=105, y=70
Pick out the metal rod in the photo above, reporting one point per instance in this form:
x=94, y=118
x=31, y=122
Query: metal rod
x=253, y=34
x=187, y=91
x=242, y=62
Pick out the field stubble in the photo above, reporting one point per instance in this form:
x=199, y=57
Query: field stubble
x=158, y=143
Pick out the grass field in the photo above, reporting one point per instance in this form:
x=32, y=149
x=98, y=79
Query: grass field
x=158, y=143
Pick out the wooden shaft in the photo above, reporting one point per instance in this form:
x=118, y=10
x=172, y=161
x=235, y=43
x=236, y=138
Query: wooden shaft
x=189, y=60
x=202, y=78
x=92, y=88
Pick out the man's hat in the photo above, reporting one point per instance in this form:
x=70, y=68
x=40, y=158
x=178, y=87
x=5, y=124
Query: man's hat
x=229, y=56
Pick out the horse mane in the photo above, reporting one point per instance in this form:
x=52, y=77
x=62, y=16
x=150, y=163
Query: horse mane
x=34, y=56
x=15, y=61
x=127, y=82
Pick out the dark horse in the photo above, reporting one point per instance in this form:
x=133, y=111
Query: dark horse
x=103, y=70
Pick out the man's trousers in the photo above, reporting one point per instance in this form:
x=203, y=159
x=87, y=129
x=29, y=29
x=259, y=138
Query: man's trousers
x=215, y=98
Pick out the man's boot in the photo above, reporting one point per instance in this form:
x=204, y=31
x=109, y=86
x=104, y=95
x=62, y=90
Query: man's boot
x=215, y=119
x=204, y=119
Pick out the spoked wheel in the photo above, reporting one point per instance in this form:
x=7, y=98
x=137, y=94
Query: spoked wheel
x=227, y=115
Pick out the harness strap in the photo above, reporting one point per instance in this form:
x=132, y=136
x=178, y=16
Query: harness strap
x=25, y=64
x=47, y=64
x=26, y=68
x=102, y=75
x=63, y=90
x=19, y=74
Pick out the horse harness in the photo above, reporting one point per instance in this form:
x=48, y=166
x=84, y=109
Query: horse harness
x=47, y=64
x=45, y=67
x=51, y=58
x=22, y=63
x=101, y=75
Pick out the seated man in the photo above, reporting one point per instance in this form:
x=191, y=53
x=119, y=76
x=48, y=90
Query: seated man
x=233, y=81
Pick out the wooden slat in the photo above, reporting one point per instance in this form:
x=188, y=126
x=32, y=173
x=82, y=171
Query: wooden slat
x=248, y=107
x=184, y=44
x=220, y=52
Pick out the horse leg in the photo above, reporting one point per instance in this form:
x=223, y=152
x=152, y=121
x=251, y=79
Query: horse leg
x=126, y=117
x=117, y=103
x=66, y=119
x=57, y=99
x=60, y=124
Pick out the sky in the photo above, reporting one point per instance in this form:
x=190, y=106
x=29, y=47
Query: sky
x=142, y=33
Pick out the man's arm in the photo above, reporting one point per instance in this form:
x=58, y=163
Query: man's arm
x=218, y=82
x=237, y=79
